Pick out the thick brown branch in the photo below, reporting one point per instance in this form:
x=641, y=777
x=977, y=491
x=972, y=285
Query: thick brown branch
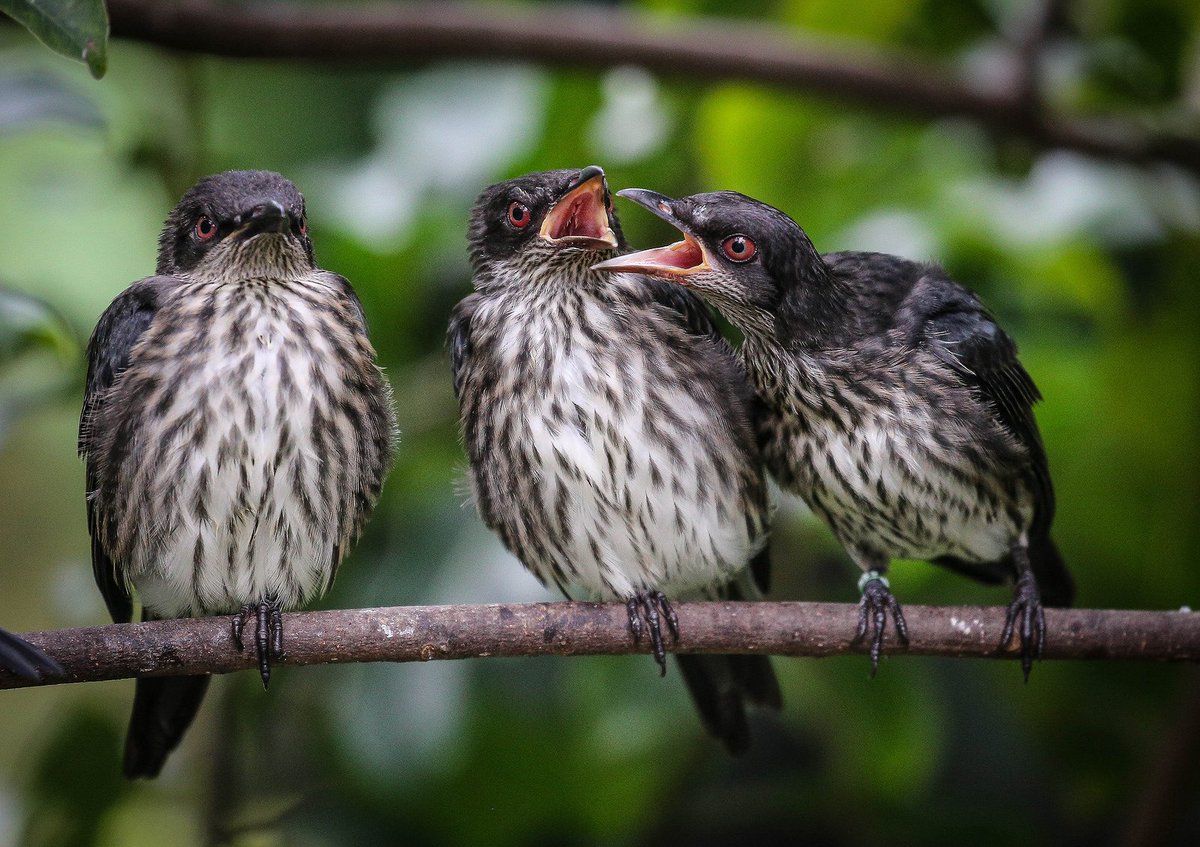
x=575, y=35
x=421, y=633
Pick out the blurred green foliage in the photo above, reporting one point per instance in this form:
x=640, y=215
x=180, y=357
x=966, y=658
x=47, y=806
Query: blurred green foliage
x=1090, y=264
x=76, y=28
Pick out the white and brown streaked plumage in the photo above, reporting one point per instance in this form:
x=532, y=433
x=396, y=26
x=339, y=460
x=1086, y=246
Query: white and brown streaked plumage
x=236, y=430
x=608, y=426
x=896, y=406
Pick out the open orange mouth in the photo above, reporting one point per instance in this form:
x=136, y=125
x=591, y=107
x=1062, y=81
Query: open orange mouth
x=580, y=218
x=675, y=261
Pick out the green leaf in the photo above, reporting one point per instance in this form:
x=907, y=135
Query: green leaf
x=77, y=29
x=27, y=322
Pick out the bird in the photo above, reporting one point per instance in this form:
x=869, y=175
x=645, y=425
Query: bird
x=896, y=406
x=236, y=431
x=609, y=428
x=20, y=658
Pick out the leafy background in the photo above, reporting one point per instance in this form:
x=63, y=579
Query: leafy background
x=1090, y=264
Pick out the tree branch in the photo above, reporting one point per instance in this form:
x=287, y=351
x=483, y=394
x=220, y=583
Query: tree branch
x=582, y=36
x=422, y=633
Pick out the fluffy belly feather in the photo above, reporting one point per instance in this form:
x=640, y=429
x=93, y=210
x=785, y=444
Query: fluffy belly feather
x=611, y=497
x=238, y=464
x=887, y=493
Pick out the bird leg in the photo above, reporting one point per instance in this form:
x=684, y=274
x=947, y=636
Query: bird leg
x=877, y=601
x=646, y=605
x=268, y=633
x=1027, y=604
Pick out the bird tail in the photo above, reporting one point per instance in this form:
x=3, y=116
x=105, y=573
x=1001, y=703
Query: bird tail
x=722, y=685
x=20, y=657
x=163, y=709
x=1053, y=579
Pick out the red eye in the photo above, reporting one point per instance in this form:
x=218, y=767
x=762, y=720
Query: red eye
x=518, y=215
x=205, y=228
x=304, y=226
x=739, y=248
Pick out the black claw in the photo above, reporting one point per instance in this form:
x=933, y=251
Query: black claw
x=635, y=619
x=668, y=614
x=650, y=610
x=1027, y=605
x=268, y=633
x=276, y=625
x=238, y=624
x=877, y=601
x=644, y=611
x=262, y=641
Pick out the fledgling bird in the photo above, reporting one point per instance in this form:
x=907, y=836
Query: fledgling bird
x=608, y=426
x=18, y=656
x=236, y=430
x=896, y=407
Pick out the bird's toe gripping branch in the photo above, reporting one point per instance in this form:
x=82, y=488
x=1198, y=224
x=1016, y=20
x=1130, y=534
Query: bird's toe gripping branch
x=1027, y=605
x=268, y=633
x=877, y=601
x=647, y=605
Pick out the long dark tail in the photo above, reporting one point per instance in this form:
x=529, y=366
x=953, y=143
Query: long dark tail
x=23, y=659
x=163, y=709
x=722, y=685
x=1053, y=578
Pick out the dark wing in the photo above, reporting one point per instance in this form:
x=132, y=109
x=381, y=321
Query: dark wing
x=119, y=328
x=377, y=424
x=347, y=291
x=458, y=337
x=964, y=336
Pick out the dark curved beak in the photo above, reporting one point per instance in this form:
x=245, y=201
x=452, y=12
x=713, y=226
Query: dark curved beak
x=674, y=261
x=660, y=204
x=264, y=216
x=580, y=217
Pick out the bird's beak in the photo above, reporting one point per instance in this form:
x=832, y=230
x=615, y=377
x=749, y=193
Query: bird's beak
x=675, y=261
x=267, y=216
x=580, y=217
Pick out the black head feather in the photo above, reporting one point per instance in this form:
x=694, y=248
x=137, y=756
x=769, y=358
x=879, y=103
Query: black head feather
x=241, y=204
x=497, y=240
x=758, y=266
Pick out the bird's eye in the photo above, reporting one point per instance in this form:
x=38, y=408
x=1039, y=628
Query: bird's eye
x=304, y=226
x=518, y=215
x=739, y=248
x=205, y=228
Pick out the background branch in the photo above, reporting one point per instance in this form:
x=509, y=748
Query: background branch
x=422, y=633
x=578, y=35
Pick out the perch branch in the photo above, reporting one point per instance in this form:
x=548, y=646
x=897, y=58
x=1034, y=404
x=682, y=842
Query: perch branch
x=422, y=633
x=708, y=50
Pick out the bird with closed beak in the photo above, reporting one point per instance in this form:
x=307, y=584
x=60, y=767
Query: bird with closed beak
x=236, y=432
x=609, y=427
x=895, y=405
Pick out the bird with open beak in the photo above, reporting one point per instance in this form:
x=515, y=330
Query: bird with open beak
x=236, y=431
x=608, y=427
x=896, y=406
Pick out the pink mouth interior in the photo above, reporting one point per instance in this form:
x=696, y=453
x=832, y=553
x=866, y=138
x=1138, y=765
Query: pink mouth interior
x=580, y=218
x=682, y=254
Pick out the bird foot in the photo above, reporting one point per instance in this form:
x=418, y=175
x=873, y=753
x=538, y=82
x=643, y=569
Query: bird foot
x=268, y=633
x=647, y=605
x=877, y=601
x=1026, y=604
